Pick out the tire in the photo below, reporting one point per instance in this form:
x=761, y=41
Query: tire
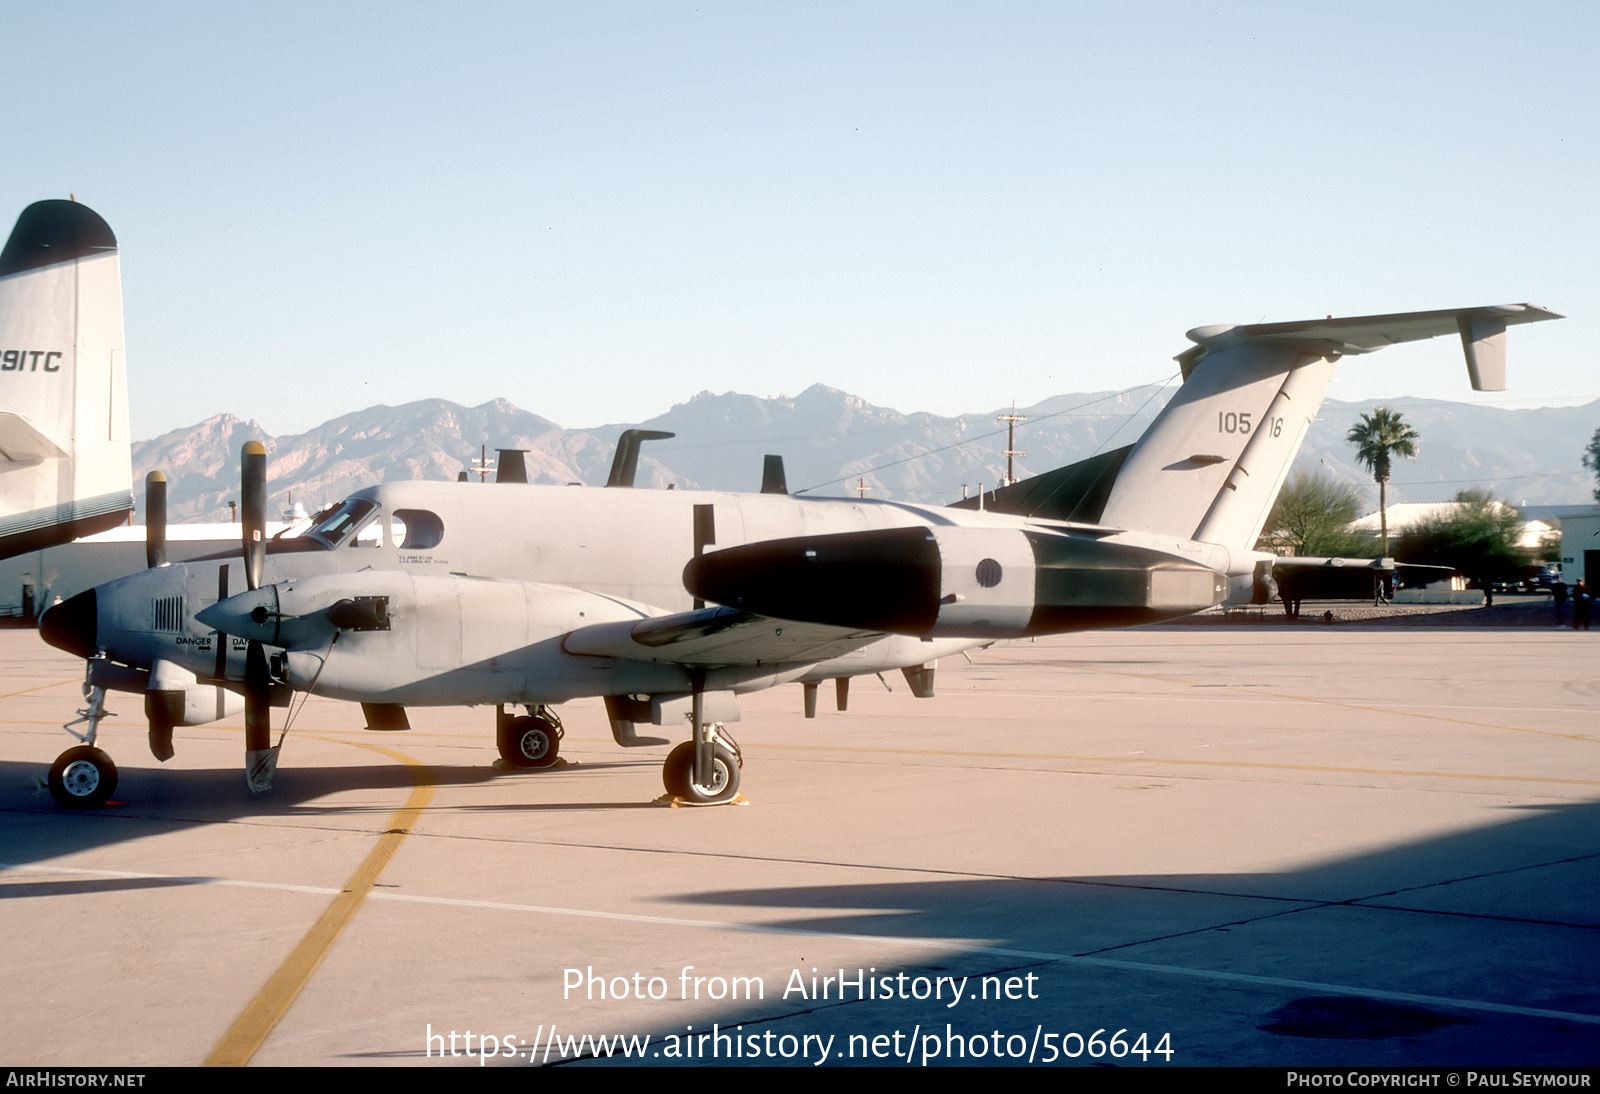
x=529, y=743
x=678, y=775
x=82, y=778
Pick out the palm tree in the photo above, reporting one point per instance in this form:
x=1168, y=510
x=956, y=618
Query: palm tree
x=1378, y=437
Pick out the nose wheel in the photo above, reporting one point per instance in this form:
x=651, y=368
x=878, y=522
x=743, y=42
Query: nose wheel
x=82, y=777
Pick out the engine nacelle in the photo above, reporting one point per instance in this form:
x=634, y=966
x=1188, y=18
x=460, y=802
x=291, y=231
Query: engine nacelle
x=391, y=636
x=956, y=582
x=175, y=697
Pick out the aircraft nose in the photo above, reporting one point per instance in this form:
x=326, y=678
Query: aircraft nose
x=71, y=625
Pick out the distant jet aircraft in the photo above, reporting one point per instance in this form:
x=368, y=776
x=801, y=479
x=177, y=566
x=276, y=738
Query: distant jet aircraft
x=65, y=466
x=669, y=604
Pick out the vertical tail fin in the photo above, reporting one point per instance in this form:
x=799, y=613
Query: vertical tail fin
x=65, y=462
x=1211, y=464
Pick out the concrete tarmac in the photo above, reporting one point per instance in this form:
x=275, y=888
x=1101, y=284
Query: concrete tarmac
x=1190, y=845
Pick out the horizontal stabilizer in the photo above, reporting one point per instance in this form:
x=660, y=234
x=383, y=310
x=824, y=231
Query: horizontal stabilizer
x=1482, y=333
x=20, y=442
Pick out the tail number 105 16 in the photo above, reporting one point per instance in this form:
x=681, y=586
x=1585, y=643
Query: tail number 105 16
x=1230, y=422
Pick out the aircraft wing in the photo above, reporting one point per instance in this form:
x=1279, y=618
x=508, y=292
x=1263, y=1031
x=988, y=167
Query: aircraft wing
x=716, y=636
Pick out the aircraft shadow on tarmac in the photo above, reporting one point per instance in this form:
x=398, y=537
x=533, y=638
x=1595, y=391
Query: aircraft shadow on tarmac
x=1426, y=953
x=1420, y=954
x=150, y=801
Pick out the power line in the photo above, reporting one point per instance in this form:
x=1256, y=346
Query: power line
x=1496, y=478
x=1158, y=384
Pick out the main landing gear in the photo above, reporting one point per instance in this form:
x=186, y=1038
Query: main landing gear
x=529, y=742
x=83, y=777
x=704, y=770
x=718, y=784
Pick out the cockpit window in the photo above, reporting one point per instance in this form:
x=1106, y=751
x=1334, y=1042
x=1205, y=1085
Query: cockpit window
x=334, y=528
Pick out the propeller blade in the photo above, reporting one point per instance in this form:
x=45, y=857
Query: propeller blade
x=155, y=520
x=253, y=506
x=261, y=759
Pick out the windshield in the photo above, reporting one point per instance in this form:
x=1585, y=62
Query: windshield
x=334, y=528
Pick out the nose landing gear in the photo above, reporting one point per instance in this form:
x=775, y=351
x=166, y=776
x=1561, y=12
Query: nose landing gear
x=83, y=777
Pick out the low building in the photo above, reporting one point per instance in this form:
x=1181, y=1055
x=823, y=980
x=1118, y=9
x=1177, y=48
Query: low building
x=1580, y=546
x=57, y=573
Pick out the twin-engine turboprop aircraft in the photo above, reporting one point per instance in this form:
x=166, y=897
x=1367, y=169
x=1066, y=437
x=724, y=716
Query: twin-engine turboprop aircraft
x=672, y=603
x=65, y=467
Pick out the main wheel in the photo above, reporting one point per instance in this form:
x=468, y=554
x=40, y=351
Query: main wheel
x=529, y=743
x=82, y=778
x=678, y=775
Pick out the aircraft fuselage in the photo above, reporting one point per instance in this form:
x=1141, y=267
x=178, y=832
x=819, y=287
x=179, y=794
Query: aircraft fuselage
x=481, y=583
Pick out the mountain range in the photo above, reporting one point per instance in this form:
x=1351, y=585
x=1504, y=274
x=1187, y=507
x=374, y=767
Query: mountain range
x=832, y=440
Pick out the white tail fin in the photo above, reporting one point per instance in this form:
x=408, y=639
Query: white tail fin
x=65, y=463
x=1211, y=464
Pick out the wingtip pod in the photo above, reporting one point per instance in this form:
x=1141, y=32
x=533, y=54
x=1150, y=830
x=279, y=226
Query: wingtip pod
x=51, y=232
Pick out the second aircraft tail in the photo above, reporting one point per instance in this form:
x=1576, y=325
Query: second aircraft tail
x=65, y=462
x=1212, y=463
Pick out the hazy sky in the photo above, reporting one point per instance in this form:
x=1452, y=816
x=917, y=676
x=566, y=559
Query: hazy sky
x=596, y=210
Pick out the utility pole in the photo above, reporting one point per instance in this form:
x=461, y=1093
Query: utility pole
x=481, y=465
x=1011, y=421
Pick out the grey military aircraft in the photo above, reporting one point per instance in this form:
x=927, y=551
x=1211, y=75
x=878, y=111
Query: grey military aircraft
x=670, y=604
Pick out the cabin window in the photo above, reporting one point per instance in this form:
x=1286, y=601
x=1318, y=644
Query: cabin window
x=416, y=529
